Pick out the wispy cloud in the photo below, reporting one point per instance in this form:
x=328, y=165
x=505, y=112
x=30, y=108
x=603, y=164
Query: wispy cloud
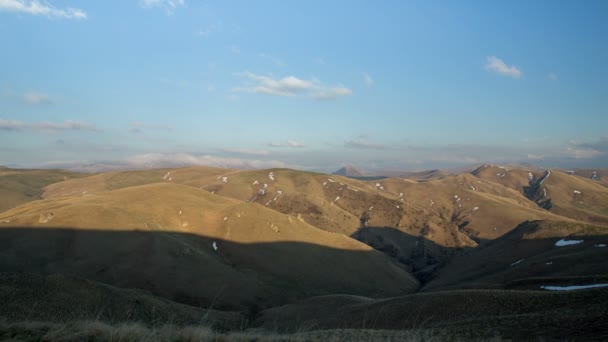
x=139, y=127
x=552, y=76
x=273, y=59
x=587, y=150
x=167, y=5
x=37, y=98
x=288, y=143
x=497, y=65
x=246, y=151
x=369, y=81
x=362, y=143
x=291, y=86
x=47, y=127
x=43, y=8
x=185, y=159
x=331, y=93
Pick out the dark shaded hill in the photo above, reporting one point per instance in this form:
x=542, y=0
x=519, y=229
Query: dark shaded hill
x=186, y=268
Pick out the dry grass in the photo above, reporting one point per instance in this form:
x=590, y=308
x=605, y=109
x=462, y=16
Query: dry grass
x=131, y=332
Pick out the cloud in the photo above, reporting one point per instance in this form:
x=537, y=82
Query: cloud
x=186, y=159
x=246, y=151
x=35, y=7
x=47, y=127
x=168, y=5
x=369, y=81
x=291, y=86
x=362, y=143
x=497, y=65
x=536, y=156
x=288, y=143
x=37, y=98
x=587, y=150
x=287, y=86
x=332, y=93
x=273, y=59
x=552, y=76
x=138, y=127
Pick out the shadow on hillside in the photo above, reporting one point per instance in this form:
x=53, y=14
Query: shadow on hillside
x=419, y=255
x=186, y=268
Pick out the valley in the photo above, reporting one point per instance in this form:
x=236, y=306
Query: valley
x=286, y=250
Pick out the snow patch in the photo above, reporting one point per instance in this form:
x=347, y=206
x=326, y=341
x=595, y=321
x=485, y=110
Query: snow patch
x=214, y=245
x=331, y=180
x=572, y=287
x=355, y=190
x=549, y=263
x=337, y=198
x=271, y=176
x=225, y=179
x=225, y=218
x=517, y=262
x=577, y=192
x=400, y=194
x=476, y=208
x=256, y=183
x=530, y=176
x=564, y=242
x=601, y=245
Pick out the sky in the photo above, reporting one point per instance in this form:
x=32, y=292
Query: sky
x=311, y=85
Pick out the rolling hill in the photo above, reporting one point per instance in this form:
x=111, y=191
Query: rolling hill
x=326, y=251
x=163, y=238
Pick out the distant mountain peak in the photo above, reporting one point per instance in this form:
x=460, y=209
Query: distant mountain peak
x=349, y=171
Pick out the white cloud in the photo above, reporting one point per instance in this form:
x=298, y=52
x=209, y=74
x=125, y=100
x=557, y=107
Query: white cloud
x=287, y=86
x=185, y=159
x=369, y=81
x=138, y=127
x=497, y=65
x=291, y=86
x=35, y=7
x=247, y=151
x=168, y=5
x=552, y=76
x=37, y=98
x=332, y=93
x=288, y=143
x=48, y=127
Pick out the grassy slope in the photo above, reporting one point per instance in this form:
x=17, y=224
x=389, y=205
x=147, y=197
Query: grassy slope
x=21, y=186
x=422, y=224
x=158, y=237
x=589, y=206
x=470, y=314
x=528, y=251
x=61, y=298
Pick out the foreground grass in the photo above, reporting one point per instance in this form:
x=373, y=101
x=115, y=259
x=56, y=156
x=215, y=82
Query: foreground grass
x=127, y=332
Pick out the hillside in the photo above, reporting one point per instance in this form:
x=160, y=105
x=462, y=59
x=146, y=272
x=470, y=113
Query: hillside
x=160, y=237
x=349, y=171
x=18, y=186
x=531, y=251
x=460, y=315
x=419, y=224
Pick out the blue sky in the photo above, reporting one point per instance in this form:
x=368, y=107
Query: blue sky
x=303, y=84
